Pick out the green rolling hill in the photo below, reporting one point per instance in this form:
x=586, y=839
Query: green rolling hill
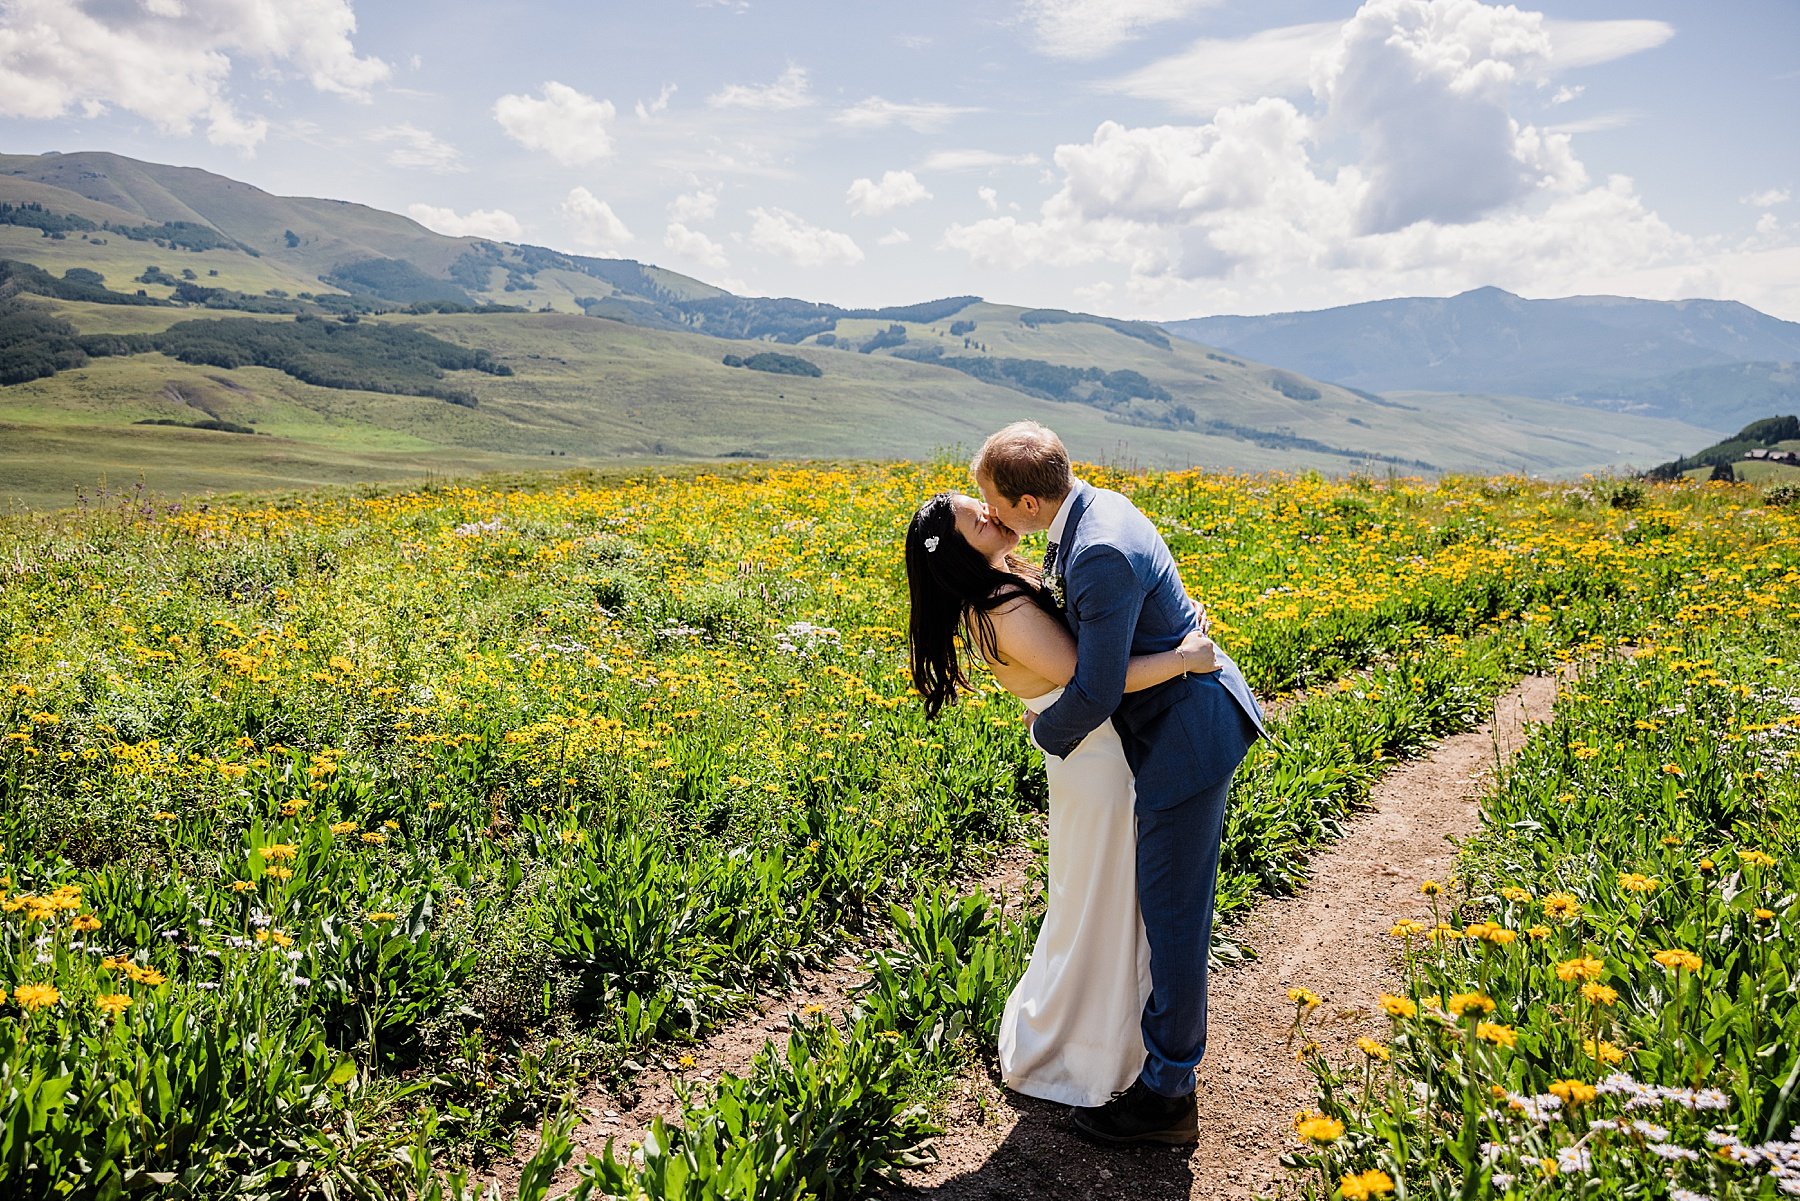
x=594, y=360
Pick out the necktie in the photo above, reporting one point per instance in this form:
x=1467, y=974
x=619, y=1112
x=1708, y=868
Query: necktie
x=1049, y=560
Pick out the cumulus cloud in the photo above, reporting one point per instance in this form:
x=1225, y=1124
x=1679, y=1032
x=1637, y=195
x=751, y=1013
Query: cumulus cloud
x=1090, y=28
x=593, y=223
x=876, y=113
x=172, y=62
x=691, y=207
x=781, y=233
x=897, y=189
x=568, y=125
x=1768, y=198
x=481, y=223
x=420, y=148
x=1424, y=85
x=989, y=198
x=895, y=237
x=791, y=90
x=692, y=246
x=1400, y=166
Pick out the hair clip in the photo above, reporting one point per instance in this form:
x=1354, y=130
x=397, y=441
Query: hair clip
x=931, y=544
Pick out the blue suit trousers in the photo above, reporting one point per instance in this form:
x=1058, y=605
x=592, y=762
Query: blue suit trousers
x=1178, y=873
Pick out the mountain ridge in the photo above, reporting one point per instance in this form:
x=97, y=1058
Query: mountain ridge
x=1606, y=351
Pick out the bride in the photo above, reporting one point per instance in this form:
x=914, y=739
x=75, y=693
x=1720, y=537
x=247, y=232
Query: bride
x=1071, y=1031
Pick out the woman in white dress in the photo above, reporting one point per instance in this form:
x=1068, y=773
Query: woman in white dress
x=1071, y=1030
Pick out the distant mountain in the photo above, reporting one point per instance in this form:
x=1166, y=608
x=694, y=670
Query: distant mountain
x=1719, y=398
x=1589, y=349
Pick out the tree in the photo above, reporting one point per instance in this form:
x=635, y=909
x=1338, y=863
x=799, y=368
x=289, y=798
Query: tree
x=1723, y=472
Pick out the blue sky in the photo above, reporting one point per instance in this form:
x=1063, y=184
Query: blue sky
x=1145, y=158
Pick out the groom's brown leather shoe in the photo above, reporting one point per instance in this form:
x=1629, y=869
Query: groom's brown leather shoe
x=1139, y=1115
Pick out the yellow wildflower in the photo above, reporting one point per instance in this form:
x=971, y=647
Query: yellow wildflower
x=1599, y=994
x=1470, y=1002
x=1365, y=1186
x=1573, y=1092
x=1398, y=1007
x=1583, y=968
x=36, y=996
x=1317, y=1128
x=1562, y=906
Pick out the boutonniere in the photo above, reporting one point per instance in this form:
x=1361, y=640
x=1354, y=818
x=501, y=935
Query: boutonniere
x=1054, y=582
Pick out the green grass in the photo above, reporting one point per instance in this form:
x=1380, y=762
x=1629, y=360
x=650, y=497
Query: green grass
x=121, y=260
x=600, y=391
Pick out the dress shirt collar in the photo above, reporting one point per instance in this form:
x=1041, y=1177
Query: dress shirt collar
x=1062, y=515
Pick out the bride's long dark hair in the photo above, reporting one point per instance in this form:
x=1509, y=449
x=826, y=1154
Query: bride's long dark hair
x=954, y=587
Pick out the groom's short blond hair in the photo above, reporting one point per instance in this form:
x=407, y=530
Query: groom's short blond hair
x=1025, y=459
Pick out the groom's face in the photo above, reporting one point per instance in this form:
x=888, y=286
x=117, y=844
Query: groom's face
x=1024, y=516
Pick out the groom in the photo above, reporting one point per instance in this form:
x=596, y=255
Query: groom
x=1183, y=739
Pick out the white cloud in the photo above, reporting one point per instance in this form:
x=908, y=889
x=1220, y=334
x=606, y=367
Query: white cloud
x=481, y=223
x=789, y=91
x=876, y=113
x=693, y=246
x=646, y=111
x=593, y=223
x=1598, y=123
x=895, y=237
x=172, y=62
x=415, y=147
x=1768, y=198
x=1589, y=43
x=781, y=233
x=568, y=125
x=1424, y=86
x=897, y=189
x=990, y=198
x=692, y=207
x=1284, y=61
x=1090, y=28
x=1406, y=171
x=1567, y=93
x=975, y=160
x=1214, y=72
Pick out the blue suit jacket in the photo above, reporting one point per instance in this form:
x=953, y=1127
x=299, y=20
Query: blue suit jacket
x=1124, y=597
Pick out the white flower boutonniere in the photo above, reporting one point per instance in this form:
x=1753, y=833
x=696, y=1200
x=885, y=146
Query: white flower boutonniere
x=1054, y=582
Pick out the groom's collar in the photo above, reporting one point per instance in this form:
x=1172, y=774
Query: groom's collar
x=1065, y=512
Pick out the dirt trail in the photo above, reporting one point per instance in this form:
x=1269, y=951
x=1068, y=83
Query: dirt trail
x=625, y=1119
x=1332, y=937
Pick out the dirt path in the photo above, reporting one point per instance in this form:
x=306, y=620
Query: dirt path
x=625, y=1118
x=1332, y=937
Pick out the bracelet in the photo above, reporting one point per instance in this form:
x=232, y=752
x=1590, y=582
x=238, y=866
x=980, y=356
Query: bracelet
x=1181, y=658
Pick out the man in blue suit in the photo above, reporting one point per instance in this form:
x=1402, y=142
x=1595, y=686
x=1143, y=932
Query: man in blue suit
x=1183, y=739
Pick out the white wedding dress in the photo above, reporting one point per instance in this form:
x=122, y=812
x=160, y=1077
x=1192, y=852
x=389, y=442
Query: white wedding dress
x=1071, y=1032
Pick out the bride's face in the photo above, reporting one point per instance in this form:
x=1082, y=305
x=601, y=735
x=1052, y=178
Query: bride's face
x=989, y=538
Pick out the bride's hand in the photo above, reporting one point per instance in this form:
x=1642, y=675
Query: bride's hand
x=1197, y=653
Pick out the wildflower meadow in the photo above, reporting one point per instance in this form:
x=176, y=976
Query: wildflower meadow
x=343, y=837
